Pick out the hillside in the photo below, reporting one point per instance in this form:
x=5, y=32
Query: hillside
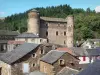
x=87, y=22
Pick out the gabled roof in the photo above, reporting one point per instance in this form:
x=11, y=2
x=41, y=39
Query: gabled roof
x=68, y=71
x=18, y=52
x=7, y=32
x=79, y=51
x=37, y=73
x=52, y=56
x=27, y=35
x=92, y=69
x=53, y=19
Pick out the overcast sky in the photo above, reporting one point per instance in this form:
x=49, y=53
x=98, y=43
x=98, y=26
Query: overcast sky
x=8, y=7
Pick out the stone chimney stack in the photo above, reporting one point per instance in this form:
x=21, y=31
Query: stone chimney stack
x=70, y=27
x=33, y=22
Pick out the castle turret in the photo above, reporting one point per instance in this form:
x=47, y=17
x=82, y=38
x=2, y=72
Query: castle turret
x=70, y=26
x=33, y=22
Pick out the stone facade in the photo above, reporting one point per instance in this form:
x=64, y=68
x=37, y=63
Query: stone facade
x=52, y=69
x=56, y=30
x=32, y=59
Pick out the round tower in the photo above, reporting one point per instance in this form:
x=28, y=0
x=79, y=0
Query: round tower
x=33, y=22
x=70, y=27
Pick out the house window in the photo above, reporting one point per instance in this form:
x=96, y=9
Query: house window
x=42, y=51
x=64, y=33
x=25, y=67
x=40, y=40
x=61, y=61
x=57, y=33
x=46, y=33
x=34, y=64
x=34, y=55
x=72, y=64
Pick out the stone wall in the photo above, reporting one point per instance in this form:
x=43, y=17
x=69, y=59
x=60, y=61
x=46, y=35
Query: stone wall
x=52, y=69
x=5, y=68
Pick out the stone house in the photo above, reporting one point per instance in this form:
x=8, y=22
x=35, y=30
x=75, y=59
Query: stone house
x=55, y=60
x=22, y=60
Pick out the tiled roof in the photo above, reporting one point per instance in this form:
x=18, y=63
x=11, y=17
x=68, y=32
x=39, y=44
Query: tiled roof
x=27, y=35
x=67, y=50
x=18, y=52
x=53, y=19
x=52, y=56
x=15, y=42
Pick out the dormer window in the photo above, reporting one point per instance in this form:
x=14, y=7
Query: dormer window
x=62, y=62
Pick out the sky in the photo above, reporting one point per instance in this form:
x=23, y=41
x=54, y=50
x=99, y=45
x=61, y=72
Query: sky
x=9, y=7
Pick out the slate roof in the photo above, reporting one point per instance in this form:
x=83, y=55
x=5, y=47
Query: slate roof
x=7, y=32
x=18, y=52
x=3, y=41
x=52, y=56
x=53, y=19
x=68, y=71
x=27, y=35
x=37, y=73
x=92, y=69
x=94, y=52
x=79, y=51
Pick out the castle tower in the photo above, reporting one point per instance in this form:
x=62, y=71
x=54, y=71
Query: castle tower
x=33, y=22
x=70, y=26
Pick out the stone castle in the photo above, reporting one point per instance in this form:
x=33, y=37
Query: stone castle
x=55, y=30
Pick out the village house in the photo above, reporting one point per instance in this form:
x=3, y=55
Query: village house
x=5, y=36
x=91, y=43
x=22, y=60
x=55, y=60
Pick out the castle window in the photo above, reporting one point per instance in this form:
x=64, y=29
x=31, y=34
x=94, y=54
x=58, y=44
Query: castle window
x=33, y=55
x=46, y=33
x=64, y=42
x=64, y=33
x=62, y=62
x=57, y=33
